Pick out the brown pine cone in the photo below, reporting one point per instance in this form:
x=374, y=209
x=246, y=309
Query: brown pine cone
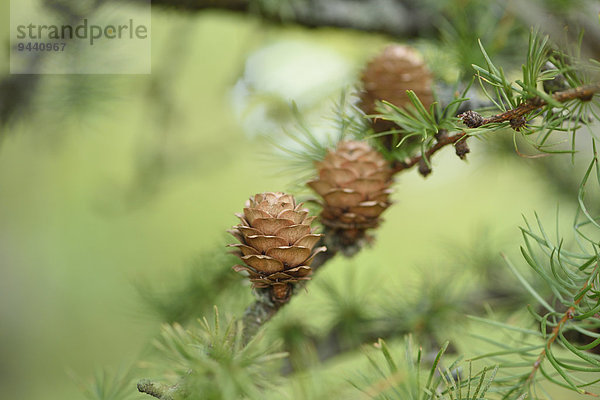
x=388, y=76
x=276, y=243
x=354, y=183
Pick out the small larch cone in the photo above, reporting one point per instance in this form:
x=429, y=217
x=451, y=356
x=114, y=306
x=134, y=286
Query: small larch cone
x=276, y=243
x=354, y=184
x=388, y=76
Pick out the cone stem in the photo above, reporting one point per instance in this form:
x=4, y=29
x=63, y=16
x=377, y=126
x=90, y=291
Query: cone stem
x=258, y=313
x=264, y=308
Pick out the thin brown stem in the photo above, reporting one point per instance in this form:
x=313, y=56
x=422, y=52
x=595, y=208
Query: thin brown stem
x=584, y=93
x=442, y=142
x=555, y=331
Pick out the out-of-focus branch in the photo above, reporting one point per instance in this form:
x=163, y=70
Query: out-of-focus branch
x=198, y=5
x=392, y=17
x=561, y=26
x=155, y=389
x=16, y=93
x=258, y=313
x=263, y=309
x=255, y=316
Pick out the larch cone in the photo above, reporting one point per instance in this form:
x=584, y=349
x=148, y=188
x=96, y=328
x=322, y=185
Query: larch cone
x=388, y=76
x=276, y=243
x=354, y=185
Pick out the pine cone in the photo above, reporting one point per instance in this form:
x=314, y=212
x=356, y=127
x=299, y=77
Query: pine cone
x=388, y=76
x=354, y=181
x=276, y=243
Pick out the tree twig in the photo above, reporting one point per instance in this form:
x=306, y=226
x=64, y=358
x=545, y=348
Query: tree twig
x=474, y=120
x=443, y=140
x=583, y=93
x=255, y=316
x=263, y=309
x=258, y=313
x=568, y=315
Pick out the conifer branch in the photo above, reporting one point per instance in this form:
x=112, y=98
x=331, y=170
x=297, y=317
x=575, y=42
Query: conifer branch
x=442, y=141
x=474, y=120
x=258, y=313
x=263, y=309
x=583, y=93
x=568, y=315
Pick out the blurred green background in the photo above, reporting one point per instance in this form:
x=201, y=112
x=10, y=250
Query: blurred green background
x=106, y=181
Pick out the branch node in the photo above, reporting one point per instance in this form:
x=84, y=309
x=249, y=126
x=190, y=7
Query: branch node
x=471, y=119
x=518, y=123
